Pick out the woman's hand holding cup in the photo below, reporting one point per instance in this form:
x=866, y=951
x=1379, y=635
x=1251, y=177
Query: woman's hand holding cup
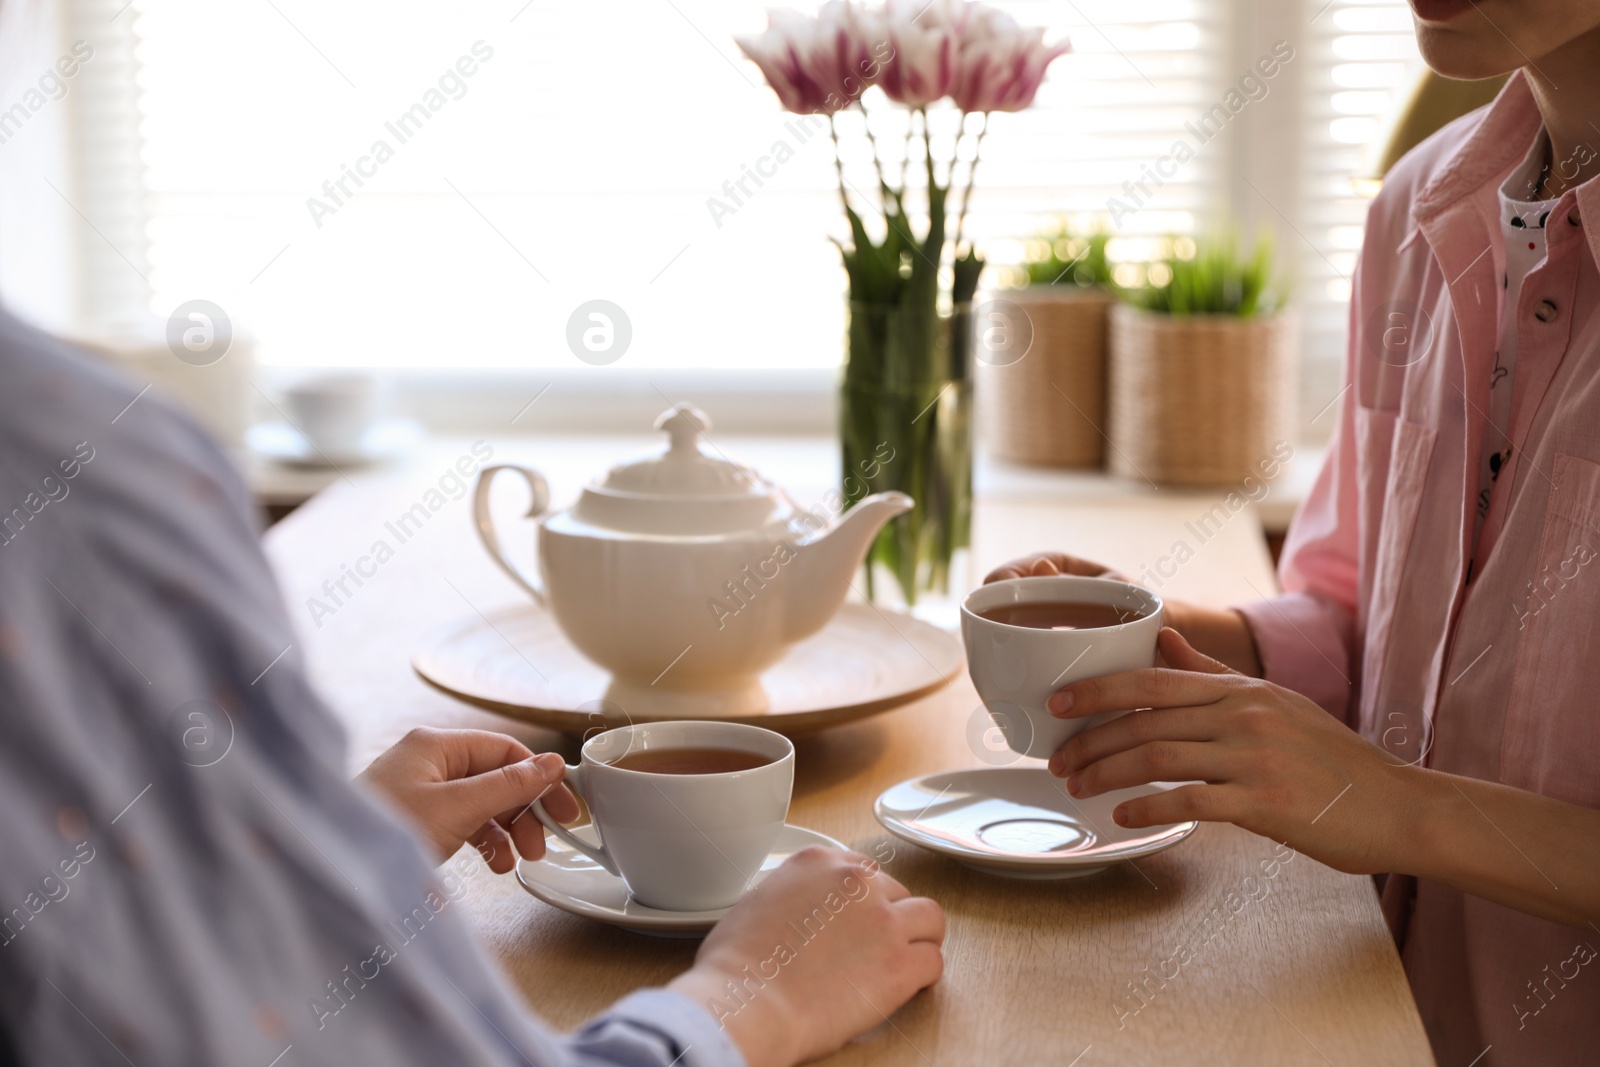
x=1220, y=633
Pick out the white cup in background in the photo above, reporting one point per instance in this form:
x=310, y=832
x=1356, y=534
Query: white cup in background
x=681, y=842
x=1016, y=668
x=333, y=411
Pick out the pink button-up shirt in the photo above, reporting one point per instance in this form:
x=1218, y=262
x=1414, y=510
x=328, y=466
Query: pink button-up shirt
x=1497, y=677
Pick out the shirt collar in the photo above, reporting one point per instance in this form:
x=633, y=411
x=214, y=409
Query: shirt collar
x=1500, y=141
x=1519, y=186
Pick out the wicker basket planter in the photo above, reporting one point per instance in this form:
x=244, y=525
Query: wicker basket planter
x=1048, y=408
x=1198, y=400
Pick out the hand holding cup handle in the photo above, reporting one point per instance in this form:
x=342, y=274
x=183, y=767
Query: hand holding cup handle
x=574, y=781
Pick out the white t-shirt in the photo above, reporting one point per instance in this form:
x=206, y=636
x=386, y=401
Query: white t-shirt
x=1522, y=224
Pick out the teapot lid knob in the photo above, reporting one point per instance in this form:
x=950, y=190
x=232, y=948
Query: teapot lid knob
x=684, y=424
x=682, y=490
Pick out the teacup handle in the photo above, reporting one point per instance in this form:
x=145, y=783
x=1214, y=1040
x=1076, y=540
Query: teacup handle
x=485, y=521
x=573, y=779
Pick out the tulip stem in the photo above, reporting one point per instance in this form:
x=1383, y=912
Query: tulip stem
x=966, y=194
x=884, y=191
x=905, y=162
x=933, y=183
x=838, y=164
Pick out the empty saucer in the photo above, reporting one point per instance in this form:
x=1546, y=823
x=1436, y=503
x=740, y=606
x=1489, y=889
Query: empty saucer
x=1019, y=822
x=571, y=881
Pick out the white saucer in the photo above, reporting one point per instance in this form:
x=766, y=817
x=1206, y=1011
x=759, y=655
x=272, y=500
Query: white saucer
x=1019, y=822
x=282, y=443
x=571, y=881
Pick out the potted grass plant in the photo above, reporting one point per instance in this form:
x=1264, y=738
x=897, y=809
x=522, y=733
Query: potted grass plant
x=1202, y=368
x=1042, y=400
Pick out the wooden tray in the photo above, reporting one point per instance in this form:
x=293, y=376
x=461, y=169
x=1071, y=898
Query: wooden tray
x=518, y=663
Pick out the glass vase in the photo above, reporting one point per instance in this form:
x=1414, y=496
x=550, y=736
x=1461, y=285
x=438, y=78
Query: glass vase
x=905, y=423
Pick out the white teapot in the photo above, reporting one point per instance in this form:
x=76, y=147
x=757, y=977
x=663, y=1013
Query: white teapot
x=685, y=574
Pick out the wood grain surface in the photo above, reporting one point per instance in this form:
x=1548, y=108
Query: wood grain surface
x=1224, y=949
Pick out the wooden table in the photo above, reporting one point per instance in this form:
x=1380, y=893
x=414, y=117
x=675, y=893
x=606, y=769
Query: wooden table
x=1192, y=956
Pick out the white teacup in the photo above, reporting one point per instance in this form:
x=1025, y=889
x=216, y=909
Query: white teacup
x=333, y=411
x=681, y=842
x=1016, y=668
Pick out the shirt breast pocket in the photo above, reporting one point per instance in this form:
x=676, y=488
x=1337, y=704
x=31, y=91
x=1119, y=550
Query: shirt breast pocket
x=1552, y=733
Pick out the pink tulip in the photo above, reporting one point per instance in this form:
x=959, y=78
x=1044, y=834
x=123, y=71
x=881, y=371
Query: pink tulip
x=925, y=36
x=1001, y=64
x=818, y=65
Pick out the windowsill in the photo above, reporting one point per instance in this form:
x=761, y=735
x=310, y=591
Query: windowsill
x=595, y=400
x=801, y=463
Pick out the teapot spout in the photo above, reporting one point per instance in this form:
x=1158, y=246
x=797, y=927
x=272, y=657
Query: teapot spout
x=825, y=563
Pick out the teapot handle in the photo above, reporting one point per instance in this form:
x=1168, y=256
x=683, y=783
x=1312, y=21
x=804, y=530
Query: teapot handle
x=485, y=521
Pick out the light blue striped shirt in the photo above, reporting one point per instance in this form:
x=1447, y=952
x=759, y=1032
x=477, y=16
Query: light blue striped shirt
x=188, y=877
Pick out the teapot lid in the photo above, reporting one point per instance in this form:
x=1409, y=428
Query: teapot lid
x=685, y=490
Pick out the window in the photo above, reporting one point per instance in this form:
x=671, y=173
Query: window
x=430, y=187
x=575, y=163
x=1363, y=60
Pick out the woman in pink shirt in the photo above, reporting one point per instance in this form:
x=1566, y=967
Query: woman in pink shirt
x=1442, y=582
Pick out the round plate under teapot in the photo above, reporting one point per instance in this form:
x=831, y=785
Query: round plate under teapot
x=517, y=662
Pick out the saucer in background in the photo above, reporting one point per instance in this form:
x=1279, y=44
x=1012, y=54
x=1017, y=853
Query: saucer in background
x=388, y=439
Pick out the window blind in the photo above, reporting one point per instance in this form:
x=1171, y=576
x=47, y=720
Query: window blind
x=71, y=190
x=1363, y=60
x=576, y=163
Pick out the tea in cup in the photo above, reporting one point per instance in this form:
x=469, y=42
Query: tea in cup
x=685, y=812
x=1028, y=637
